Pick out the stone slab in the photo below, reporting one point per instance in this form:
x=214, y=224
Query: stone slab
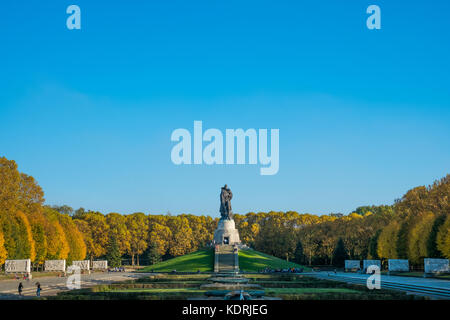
x=367, y=263
x=83, y=264
x=436, y=265
x=100, y=265
x=23, y=265
x=352, y=264
x=398, y=265
x=55, y=265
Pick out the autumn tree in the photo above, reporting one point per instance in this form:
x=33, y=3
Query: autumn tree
x=17, y=234
x=118, y=229
x=9, y=186
x=160, y=235
x=3, y=252
x=74, y=238
x=57, y=246
x=182, y=236
x=95, y=233
x=387, y=241
x=138, y=227
x=417, y=241
x=443, y=238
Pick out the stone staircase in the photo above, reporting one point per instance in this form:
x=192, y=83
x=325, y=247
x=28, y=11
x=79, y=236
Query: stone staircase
x=226, y=259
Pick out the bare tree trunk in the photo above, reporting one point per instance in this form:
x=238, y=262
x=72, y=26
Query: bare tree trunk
x=132, y=259
x=137, y=259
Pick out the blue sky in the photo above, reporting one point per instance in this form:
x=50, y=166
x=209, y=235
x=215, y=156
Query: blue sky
x=363, y=114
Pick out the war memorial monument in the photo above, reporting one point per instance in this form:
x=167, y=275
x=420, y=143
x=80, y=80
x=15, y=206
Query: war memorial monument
x=226, y=232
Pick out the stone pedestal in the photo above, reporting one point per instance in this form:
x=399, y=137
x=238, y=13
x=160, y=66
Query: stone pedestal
x=226, y=233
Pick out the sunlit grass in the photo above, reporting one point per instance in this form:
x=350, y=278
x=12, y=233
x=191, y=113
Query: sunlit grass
x=254, y=261
x=202, y=260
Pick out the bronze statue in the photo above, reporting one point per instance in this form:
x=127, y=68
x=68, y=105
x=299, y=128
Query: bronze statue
x=225, y=203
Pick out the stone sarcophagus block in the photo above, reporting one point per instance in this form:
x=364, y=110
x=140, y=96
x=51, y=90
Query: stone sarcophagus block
x=55, y=265
x=20, y=266
x=367, y=263
x=352, y=264
x=398, y=265
x=436, y=265
x=100, y=265
x=82, y=264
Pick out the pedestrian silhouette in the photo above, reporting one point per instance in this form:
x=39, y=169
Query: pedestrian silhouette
x=20, y=288
x=38, y=290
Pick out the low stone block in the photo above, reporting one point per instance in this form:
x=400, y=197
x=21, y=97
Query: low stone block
x=352, y=264
x=398, y=265
x=436, y=265
x=55, y=265
x=100, y=265
x=23, y=265
x=82, y=264
x=367, y=263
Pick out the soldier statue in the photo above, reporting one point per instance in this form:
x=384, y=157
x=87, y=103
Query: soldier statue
x=225, y=203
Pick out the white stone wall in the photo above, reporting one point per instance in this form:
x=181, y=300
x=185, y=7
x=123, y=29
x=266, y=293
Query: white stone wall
x=100, y=265
x=55, y=265
x=436, y=265
x=23, y=265
x=83, y=264
x=398, y=265
x=367, y=263
x=352, y=264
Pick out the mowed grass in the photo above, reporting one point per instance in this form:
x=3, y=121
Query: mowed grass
x=309, y=290
x=254, y=261
x=202, y=260
x=160, y=290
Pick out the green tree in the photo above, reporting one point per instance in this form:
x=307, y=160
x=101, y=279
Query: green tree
x=113, y=253
x=432, y=249
x=340, y=254
x=299, y=255
x=153, y=253
x=373, y=246
x=443, y=238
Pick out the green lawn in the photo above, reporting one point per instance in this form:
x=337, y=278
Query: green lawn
x=309, y=290
x=160, y=290
x=202, y=260
x=254, y=261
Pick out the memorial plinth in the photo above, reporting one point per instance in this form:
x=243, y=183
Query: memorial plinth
x=226, y=233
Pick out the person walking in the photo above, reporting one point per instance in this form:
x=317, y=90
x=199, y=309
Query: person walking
x=20, y=289
x=38, y=290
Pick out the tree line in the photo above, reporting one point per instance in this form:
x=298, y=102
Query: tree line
x=414, y=227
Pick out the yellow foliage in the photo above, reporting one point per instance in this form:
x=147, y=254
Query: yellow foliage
x=443, y=238
x=77, y=247
x=57, y=245
x=3, y=253
x=417, y=242
x=387, y=242
x=160, y=235
x=26, y=223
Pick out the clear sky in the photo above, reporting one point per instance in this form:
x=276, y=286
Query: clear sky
x=364, y=115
